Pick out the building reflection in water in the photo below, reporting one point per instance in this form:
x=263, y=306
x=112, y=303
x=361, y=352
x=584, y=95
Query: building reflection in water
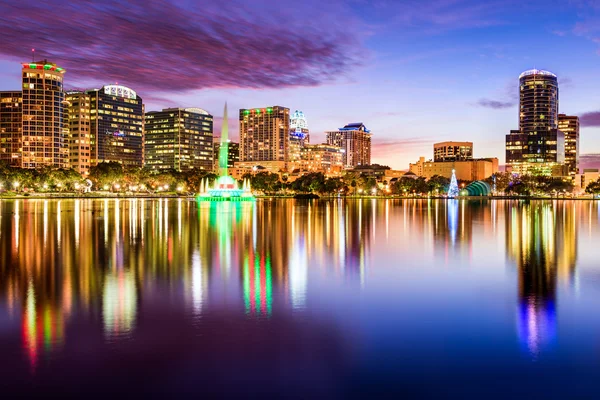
x=541, y=240
x=106, y=259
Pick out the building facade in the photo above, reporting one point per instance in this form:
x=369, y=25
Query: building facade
x=569, y=125
x=233, y=153
x=44, y=116
x=355, y=141
x=264, y=134
x=323, y=158
x=453, y=151
x=179, y=139
x=11, y=114
x=538, y=146
x=116, y=126
x=473, y=170
x=79, y=137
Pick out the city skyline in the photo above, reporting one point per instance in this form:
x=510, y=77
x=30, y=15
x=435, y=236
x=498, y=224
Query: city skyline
x=414, y=73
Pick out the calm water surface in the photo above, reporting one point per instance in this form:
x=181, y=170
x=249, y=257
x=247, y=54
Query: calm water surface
x=297, y=298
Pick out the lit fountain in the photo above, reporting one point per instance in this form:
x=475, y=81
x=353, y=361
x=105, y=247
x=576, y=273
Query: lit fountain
x=225, y=187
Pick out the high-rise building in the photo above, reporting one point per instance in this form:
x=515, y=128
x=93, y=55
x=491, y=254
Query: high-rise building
x=299, y=137
x=264, y=134
x=11, y=115
x=355, y=141
x=179, y=139
x=569, y=125
x=453, y=151
x=537, y=147
x=79, y=137
x=44, y=126
x=233, y=153
x=116, y=125
x=105, y=125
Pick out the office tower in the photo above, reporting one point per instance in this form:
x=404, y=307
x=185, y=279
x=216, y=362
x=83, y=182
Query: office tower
x=569, y=125
x=453, y=151
x=11, y=114
x=264, y=134
x=299, y=137
x=116, y=125
x=537, y=147
x=233, y=153
x=79, y=137
x=355, y=141
x=44, y=140
x=179, y=139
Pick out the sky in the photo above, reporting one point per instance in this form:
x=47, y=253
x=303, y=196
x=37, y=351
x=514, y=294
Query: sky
x=415, y=72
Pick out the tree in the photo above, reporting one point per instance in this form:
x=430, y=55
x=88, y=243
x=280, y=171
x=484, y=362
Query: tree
x=264, y=181
x=438, y=183
x=593, y=188
x=107, y=174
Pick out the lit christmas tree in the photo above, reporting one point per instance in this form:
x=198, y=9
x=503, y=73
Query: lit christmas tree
x=453, y=189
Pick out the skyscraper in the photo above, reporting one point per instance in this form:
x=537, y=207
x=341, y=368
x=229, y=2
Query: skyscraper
x=355, y=141
x=116, y=125
x=11, y=114
x=569, y=125
x=79, y=138
x=179, y=138
x=44, y=139
x=264, y=134
x=537, y=147
x=299, y=137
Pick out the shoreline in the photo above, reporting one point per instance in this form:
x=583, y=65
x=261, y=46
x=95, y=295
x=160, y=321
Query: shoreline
x=178, y=196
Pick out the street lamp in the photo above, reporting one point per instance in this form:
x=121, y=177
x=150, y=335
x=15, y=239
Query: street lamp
x=16, y=185
x=166, y=187
x=374, y=191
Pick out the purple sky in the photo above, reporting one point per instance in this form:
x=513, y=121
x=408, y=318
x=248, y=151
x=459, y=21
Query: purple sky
x=415, y=72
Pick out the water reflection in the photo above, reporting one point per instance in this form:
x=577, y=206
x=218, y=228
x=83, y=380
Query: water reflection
x=542, y=241
x=110, y=264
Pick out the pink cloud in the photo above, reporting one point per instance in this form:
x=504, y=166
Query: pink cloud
x=160, y=46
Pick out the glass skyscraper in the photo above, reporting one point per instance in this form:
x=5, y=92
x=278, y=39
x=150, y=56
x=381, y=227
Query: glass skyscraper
x=538, y=146
x=179, y=139
x=116, y=125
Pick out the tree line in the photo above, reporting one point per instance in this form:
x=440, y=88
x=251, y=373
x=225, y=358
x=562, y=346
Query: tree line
x=116, y=177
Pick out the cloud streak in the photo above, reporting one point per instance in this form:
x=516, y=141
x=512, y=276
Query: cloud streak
x=589, y=161
x=590, y=119
x=495, y=104
x=178, y=46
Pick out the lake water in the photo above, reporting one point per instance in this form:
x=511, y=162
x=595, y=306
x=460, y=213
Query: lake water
x=339, y=298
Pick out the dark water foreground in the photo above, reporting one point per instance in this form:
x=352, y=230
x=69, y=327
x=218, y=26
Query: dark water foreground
x=343, y=298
